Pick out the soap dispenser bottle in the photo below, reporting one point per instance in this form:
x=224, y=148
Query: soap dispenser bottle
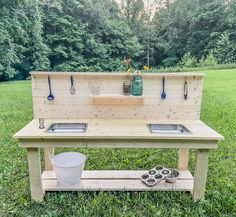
x=137, y=84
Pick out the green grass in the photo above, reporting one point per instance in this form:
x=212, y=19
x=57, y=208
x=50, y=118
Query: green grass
x=218, y=111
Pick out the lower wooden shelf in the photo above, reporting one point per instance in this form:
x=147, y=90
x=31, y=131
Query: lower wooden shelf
x=116, y=180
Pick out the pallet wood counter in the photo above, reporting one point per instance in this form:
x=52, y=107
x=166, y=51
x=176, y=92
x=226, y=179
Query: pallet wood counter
x=115, y=120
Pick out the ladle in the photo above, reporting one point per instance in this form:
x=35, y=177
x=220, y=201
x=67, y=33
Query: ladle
x=50, y=96
x=163, y=95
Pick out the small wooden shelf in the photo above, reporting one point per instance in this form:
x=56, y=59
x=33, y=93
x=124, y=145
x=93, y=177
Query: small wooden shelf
x=116, y=99
x=116, y=180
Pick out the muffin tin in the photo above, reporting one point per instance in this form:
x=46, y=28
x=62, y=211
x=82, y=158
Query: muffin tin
x=158, y=173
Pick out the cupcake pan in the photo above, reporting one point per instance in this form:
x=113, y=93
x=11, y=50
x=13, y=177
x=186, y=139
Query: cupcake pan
x=155, y=175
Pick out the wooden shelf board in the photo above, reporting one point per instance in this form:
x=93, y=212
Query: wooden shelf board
x=116, y=99
x=112, y=180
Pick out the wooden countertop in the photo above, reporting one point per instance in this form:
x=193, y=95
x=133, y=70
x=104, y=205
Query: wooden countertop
x=119, y=129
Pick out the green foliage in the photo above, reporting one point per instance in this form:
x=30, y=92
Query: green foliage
x=209, y=60
x=23, y=48
x=188, y=61
x=188, y=69
x=37, y=52
x=171, y=25
x=96, y=35
x=7, y=54
x=225, y=51
x=64, y=36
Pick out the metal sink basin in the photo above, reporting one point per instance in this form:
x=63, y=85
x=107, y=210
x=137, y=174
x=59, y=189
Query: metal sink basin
x=67, y=128
x=168, y=129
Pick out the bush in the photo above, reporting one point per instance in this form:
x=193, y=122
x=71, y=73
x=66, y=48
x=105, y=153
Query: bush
x=188, y=60
x=225, y=51
x=170, y=61
x=209, y=60
x=188, y=69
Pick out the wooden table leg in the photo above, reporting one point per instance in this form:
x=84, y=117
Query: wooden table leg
x=200, y=175
x=48, y=153
x=183, y=159
x=35, y=174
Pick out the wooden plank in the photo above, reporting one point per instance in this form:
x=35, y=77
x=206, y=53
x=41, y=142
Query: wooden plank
x=35, y=174
x=183, y=112
x=53, y=143
x=48, y=153
x=117, y=74
x=200, y=174
x=110, y=84
x=116, y=100
x=78, y=99
x=117, y=185
x=121, y=130
x=151, y=106
x=113, y=174
x=116, y=181
x=183, y=159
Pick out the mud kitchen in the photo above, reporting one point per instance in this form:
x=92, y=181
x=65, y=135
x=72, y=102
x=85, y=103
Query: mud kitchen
x=156, y=110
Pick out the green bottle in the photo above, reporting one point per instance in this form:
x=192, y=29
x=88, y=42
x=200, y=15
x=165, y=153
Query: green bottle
x=137, y=85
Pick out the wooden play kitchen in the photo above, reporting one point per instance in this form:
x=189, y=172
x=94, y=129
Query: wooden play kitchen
x=91, y=110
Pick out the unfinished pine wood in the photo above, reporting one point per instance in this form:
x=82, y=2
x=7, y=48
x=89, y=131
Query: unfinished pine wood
x=35, y=174
x=48, y=153
x=123, y=129
x=113, y=174
x=115, y=143
x=117, y=74
x=117, y=122
x=82, y=105
x=116, y=99
x=183, y=159
x=200, y=174
x=116, y=181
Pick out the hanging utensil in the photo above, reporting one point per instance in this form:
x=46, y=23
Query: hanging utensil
x=50, y=96
x=72, y=88
x=185, y=89
x=163, y=95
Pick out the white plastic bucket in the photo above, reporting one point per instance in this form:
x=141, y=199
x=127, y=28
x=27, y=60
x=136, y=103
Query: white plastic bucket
x=68, y=167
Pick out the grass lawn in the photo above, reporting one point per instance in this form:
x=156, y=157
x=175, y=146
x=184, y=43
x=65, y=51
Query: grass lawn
x=218, y=111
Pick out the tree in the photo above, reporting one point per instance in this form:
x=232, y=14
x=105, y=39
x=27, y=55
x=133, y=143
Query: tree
x=96, y=35
x=188, y=60
x=63, y=33
x=225, y=49
x=206, y=25
x=23, y=48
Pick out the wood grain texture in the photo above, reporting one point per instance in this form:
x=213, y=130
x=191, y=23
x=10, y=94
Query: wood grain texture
x=35, y=174
x=117, y=74
x=81, y=105
x=99, y=143
x=200, y=174
x=48, y=153
x=183, y=159
x=116, y=99
x=116, y=181
x=121, y=129
x=113, y=174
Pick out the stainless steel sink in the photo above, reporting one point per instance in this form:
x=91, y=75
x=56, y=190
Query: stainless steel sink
x=168, y=129
x=67, y=128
